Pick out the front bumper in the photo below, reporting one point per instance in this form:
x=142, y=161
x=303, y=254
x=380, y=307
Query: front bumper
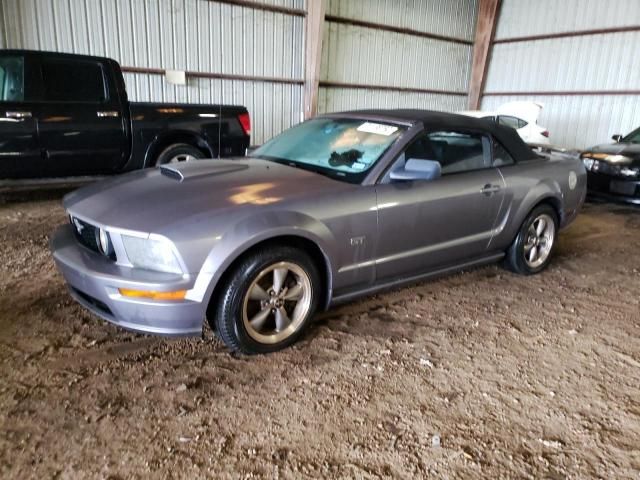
x=613, y=188
x=94, y=281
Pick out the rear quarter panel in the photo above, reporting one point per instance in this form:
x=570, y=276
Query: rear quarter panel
x=558, y=179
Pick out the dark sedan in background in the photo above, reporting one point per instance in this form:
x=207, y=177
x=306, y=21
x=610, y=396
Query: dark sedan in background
x=613, y=170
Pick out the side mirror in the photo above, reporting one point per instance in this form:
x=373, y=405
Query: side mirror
x=617, y=138
x=417, y=169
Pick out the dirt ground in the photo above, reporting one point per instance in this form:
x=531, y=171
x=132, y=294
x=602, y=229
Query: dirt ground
x=535, y=377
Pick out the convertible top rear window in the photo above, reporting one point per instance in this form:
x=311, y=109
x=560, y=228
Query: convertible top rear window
x=344, y=148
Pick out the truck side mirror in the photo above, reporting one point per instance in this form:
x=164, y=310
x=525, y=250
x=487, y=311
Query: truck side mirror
x=617, y=137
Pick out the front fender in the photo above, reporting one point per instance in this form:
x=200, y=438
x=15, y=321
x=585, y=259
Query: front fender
x=253, y=230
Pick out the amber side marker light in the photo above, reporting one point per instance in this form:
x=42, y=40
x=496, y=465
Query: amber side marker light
x=153, y=295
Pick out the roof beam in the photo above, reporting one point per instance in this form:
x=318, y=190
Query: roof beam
x=391, y=28
x=313, y=31
x=485, y=29
x=575, y=33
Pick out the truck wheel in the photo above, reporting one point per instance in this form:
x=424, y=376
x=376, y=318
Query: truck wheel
x=267, y=301
x=178, y=152
x=531, y=251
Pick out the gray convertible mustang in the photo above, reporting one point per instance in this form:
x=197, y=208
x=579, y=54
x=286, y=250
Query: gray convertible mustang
x=334, y=208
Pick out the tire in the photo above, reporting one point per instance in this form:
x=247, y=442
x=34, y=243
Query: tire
x=266, y=320
x=521, y=257
x=178, y=152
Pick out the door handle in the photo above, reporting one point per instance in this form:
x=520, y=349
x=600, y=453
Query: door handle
x=18, y=114
x=110, y=113
x=489, y=189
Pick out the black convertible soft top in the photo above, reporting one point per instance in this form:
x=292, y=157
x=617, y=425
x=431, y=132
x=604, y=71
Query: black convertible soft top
x=431, y=120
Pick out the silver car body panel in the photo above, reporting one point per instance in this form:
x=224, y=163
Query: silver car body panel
x=371, y=236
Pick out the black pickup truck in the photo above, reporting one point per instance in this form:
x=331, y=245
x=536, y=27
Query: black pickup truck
x=65, y=115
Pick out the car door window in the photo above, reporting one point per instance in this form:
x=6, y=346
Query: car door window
x=501, y=156
x=522, y=123
x=459, y=151
x=73, y=81
x=11, y=78
x=508, y=121
x=455, y=151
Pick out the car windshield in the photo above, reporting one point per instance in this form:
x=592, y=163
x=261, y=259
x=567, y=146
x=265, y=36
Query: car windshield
x=343, y=148
x=633, y=137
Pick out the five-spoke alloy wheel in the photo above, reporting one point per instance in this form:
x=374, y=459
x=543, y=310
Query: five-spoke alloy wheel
x=267, y=301
x=277, y=302
x=531, y=250
x=540, y=237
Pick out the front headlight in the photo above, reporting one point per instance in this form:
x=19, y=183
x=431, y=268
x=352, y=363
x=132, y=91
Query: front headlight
x=151, y=254
x=588, y=162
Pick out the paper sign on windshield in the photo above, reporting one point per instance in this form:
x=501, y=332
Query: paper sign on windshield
x=377, y=128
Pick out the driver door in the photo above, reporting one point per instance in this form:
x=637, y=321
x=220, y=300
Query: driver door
x=427, y=225
x=20, y=154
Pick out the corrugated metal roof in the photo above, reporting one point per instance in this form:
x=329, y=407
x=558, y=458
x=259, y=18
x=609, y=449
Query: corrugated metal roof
x=520, y=18
x=454, y=18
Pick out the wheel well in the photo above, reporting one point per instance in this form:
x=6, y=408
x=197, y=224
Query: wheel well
x=301, y=243
x=553, y=203
x=550, y=201
x=176, y=137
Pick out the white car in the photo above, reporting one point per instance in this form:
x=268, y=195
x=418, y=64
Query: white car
x=522, y=116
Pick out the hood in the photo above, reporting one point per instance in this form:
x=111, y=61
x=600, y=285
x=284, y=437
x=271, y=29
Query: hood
x=164, y=200
x=630, y=150
x=527, y=111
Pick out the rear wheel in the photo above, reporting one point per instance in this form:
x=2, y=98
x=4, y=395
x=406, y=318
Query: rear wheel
x=267, y=301
x=178, y=152
x=531, y=250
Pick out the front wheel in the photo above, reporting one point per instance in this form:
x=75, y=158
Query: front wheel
x=267, y=301
x=531, y=251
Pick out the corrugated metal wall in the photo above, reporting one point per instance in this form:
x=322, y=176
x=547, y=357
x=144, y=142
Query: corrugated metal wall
x=193, y=35
x=360, y=55
x=594, y=62
x=3, y=32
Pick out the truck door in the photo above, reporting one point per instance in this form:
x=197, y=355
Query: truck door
x=19, y=150
x=80, y=122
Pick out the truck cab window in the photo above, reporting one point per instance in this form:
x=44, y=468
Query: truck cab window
x=73, y=81
x=11, y=78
